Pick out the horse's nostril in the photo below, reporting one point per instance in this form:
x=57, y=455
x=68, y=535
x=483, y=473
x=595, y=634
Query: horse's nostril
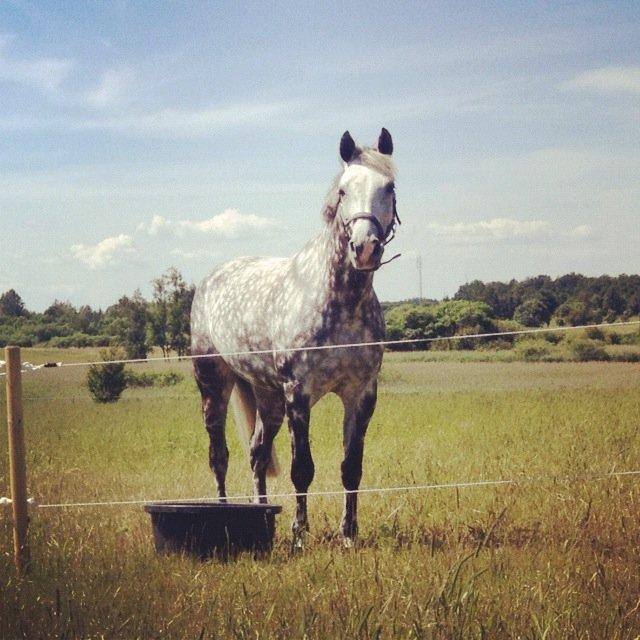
x=356, y=248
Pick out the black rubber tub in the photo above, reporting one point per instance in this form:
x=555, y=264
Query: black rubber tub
x=206, y=529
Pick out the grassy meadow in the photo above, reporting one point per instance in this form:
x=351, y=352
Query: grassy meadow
x=555, y=559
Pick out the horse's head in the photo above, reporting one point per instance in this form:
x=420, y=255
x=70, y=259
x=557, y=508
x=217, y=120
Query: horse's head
x=366, y=199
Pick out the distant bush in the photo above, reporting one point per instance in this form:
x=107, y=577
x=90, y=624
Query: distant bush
x=613, y=338
x=20, y=339
x=446, y=319
x=496, y=344
x=533, y=350
x=630, y=338
x=626, y=356
x=79, y=340
x=106, y=382
x=584, y=350
x=552, y=337
x=594, y=333
x=151, y=379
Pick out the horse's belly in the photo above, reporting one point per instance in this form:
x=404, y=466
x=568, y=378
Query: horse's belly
x=338, y=370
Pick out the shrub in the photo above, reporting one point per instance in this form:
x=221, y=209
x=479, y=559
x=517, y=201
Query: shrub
x=594, y=333
x=532, y=350
x=613, y=338
x=626, y=356
x=508, y=325
x=630, y=338
x=170, y=378
x=150, y=379
x=584, y=350
x=496, y=344
x=106, y=382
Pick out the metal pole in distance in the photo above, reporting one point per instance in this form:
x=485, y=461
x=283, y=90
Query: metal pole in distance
x=17, y=462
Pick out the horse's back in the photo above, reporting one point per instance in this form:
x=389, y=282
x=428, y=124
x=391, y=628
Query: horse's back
x=232, y=312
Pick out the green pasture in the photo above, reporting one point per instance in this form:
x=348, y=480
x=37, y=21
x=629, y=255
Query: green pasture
x=549, y=559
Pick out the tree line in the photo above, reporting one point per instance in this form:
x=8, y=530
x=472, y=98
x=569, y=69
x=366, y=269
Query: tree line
x=137, y=324
x=479, y=307
x=133, y=323
x=572, y=299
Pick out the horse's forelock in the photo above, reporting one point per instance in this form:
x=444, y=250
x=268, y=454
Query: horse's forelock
x=377, y=161
x=368, y=157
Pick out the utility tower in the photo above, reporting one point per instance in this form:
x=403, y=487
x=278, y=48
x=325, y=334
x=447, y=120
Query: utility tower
x=419, y=267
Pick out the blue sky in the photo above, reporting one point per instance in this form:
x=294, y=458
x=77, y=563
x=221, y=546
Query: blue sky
x=136, y=136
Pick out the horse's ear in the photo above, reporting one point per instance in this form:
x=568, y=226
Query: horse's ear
x=347, y=146
x=385, y=143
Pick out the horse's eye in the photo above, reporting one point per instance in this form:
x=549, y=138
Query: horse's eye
x=391, y=187
x=341, y=192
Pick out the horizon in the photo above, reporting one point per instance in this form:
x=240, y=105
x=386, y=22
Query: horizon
x=135, y=136
x=412, y=299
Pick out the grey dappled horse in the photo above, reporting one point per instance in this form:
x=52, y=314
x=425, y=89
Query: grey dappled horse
x=323, y=295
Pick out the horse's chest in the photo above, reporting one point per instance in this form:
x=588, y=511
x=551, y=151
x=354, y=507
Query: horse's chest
x=322, y=369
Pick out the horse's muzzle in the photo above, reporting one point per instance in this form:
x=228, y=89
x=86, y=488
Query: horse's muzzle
x=366, y=256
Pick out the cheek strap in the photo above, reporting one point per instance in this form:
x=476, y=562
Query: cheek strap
x=386, y=235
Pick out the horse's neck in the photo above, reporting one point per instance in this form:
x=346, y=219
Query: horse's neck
x=333, y=283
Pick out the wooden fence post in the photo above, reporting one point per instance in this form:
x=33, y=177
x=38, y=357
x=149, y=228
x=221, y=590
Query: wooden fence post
x=17, y=462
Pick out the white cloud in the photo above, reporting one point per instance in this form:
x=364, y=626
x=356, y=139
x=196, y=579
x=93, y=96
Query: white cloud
x=229, y=224
x=190, y=122
x=157, y=224
x=45, y=73
x=487, y=230
x=111, y=89
x=103, y=253
x=607, y=80
x=582, y=231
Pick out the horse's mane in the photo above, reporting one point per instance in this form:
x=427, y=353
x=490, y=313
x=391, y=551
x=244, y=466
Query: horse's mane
x=368, y=157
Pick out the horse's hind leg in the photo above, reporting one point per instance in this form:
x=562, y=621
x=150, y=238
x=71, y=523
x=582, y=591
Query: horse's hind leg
x=215, y=381
x=270, y=404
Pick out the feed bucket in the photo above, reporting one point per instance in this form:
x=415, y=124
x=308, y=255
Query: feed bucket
x=205, y=529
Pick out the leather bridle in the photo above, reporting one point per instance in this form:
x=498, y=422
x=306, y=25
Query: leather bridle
x=385, y=235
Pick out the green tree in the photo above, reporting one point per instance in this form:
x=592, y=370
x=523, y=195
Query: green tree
x=128, y=324
x=410, y=321
x=170, y=312
x=11, y=305
x=572, y=312
x=157, y=330
x=533, y=312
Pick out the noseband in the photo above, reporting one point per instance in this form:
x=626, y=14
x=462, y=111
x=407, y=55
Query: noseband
x=386, y=235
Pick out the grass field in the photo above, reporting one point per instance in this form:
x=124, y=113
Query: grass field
x=556, y=559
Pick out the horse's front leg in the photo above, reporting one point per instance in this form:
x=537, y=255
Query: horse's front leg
x=270, y=407
x=302, y=468
x=359, y=408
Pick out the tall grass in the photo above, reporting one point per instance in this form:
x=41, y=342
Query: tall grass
x=557, y=559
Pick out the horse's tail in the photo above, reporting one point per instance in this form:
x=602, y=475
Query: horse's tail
x=243, y=402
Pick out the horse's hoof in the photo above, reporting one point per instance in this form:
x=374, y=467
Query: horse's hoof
x=348, y=543
x=298, y=542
